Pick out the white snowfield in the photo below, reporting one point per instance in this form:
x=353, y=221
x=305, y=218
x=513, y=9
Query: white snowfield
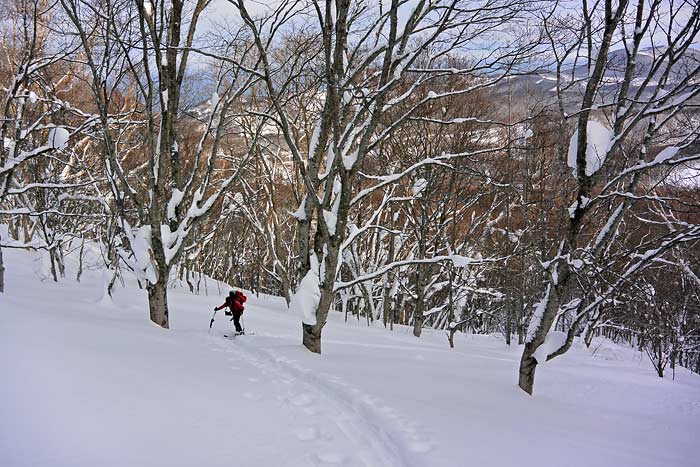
x=88, y=384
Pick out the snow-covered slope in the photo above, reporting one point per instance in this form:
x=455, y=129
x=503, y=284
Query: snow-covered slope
x=88, y=384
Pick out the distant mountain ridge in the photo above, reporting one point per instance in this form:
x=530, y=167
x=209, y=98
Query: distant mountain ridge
x=573, y=78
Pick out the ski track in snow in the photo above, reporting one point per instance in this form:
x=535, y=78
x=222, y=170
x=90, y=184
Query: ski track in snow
x=291, y=408
x=363, y=419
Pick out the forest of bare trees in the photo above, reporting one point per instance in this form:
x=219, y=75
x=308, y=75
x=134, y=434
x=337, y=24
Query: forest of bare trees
x=527, y=169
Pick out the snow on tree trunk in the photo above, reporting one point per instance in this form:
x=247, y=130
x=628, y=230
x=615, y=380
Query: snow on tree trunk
x=312, y=332
x=312, y=300
x=307, y=297
x=540, y=325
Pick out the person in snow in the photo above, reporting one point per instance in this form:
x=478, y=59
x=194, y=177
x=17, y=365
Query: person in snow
x=234, y=302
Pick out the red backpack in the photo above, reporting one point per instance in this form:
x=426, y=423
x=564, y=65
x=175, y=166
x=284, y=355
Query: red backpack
x=242, y=299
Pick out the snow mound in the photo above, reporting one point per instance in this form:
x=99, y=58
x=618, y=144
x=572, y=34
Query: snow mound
x=607, y=350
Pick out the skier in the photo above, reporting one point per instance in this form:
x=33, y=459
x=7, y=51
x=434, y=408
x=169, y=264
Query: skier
x=234, y=302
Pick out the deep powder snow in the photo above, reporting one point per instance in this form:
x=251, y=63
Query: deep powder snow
x=92, y=384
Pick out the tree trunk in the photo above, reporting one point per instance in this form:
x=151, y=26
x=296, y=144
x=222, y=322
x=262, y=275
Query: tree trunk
x=528, y=365
x=418, y=321
x=659, y=370
x=60, y=261
x=451, y=314
x=158, y=302
x=52, y=262
x=521, y=327
x=509, y=322
x=312, y=333
x=80, y=261
x=286, y=290
x=387, y=304
x=419, y=317
x=588, y=338
x=2, y=273
x=386, y=296
x=113, y=280
x=660, y=362
x=312, y=337
x=189, y=283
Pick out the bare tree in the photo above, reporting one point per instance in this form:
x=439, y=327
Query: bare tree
x=365, y=52
x=29, y=131
x=159, y=201
x=613, y=151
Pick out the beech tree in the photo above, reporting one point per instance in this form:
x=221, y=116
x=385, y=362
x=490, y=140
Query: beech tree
x=32, y=138
x=432, y=164
x=366, y=51
x=161, y=200
x=620, y=138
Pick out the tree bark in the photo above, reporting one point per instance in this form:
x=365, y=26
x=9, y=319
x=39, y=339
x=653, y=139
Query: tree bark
x=158, y=302
x=660, y=362
x=451, y=314
x=418, y=318
x=509, y=321
x=188, y=281
x=2, y=273
x=52, y=263
x=60, y=261
x=312, y=333
x=312, y=337
x=528, y=365
x=588, y=338
x=80, y=261
x=286, y=290
x=113, y=280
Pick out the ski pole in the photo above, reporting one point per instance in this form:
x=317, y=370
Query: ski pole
x=212, y=320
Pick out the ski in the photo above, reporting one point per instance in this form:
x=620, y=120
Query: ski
x=239, y=334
